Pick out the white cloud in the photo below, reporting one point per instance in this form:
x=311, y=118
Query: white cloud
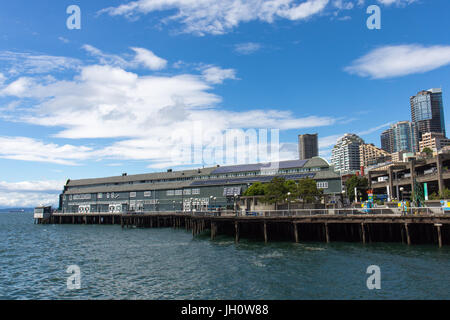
x=218, y=17
x=34, y=186
x=27, y=199
x=28, y=149
x=247, y=48
x=216, y=75
x=19, y=63
x=146, y=116
x=30, y=193
x=329, y=141
x=396, y=2
x=401, y=60
x=149, y=59
x=143, y=58
x=2, y=78
x=17, y=88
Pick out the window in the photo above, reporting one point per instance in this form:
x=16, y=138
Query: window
x=147, y=194
x=178, y=192
x=195, y=191
x=170, y=193
x=187, y=192
x=132, y=194
x=100, y=195
x=322, y=185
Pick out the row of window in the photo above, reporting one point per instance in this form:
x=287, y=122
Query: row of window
x=207, y=177
x=322, y=185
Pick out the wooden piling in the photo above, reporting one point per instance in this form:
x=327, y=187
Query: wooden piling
x=438, y=226
x=408, y=237
x=265, y=232
x=327, y=233
x=236, y=232
x=296, y=232
x=363, y=233
x=213, y=230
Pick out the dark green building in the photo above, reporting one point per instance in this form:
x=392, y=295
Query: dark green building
x=200, y=189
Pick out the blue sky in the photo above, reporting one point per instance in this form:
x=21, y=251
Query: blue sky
x=119, y=94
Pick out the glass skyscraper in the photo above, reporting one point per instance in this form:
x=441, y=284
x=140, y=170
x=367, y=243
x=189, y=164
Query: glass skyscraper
x=427, y=111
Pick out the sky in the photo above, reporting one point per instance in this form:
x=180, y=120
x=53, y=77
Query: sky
x=141, y=82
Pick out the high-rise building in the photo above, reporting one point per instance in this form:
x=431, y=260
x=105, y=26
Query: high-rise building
x=427, y=111
x=404, y=137
x=386, y=141
x=345, y=154
x=370, y=155
x=308, y=146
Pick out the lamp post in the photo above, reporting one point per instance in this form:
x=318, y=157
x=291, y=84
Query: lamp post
x=210, y=201
x=401, y=192
x=289, y=202
x=235, y=209
x=173, y=205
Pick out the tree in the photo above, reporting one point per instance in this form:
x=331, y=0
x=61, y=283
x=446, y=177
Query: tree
x=276, y=191
x=256, y=189
x=358, y=182
x=428, y=151
x=307, y=190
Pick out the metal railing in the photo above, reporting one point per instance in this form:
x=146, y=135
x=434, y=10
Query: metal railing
x=294, y=212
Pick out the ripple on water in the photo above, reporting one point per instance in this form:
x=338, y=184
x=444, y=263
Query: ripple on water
x=170, y=264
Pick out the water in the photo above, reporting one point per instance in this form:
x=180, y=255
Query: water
x=170, y=264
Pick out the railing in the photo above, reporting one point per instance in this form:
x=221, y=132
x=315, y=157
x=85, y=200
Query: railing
x=293, y=212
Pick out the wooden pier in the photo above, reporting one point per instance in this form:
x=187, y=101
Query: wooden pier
x=365, y=228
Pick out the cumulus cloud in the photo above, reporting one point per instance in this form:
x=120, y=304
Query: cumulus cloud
x=30, y=193
x=149, y=59
x=401, y=60
x=144, y=117
x=216, y=75
x=27, y=199
x=219, y=17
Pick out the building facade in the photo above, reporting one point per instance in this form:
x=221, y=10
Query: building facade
x=345, y=154
x=386, y=141
x=370, y=155
x=404, y=137
x=202, y=189
x=308, y=146
x=433, y=140
x=427, y=111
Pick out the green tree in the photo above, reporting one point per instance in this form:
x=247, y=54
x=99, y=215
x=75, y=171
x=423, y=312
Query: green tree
x=307, y=190
x=256, y=189
x=358, y=182
x=276, y=191
x=428, y=151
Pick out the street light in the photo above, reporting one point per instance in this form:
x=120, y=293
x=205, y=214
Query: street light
x=235, y=209
x=401, y=192
x=289, y=201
